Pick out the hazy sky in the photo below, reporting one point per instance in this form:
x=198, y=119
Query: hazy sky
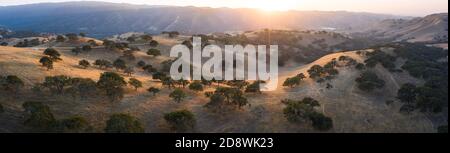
x=398, y=7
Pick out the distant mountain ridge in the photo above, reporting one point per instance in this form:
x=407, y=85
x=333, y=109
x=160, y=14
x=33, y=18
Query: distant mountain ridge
x=102, y=19
x=432, y=28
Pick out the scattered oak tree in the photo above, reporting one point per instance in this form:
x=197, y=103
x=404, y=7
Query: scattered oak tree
x=84, y=64
x=178, y=95
x=39, y=116
x=102, y=64
x=292, y=82
x=316, y=71
x=141, y=64
x=11, y=83
x=46, y=62
x=135, y=83
x=84, y=87
x=369, y=81
x=302, y=111
x=87, y=48
x=255, y=87
x=53, y=54
x=60, y=38
x=74, y=124
x=56, y=84
x=360, y=66
x=154, y=52
x=120, y=64
x=129, y=71
x=407, y=93
x=76, y=50
x=112, y=83
x=123, y=123
x=153, y=90
x=196, y=86
x=181, y=121
x=153, y=43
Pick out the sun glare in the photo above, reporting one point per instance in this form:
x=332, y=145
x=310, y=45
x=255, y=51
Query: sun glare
x=274, y=5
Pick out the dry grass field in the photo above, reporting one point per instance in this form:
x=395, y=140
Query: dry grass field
x=351, y=109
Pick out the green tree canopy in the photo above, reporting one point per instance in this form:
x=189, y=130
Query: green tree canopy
x=369, y=81
x=84, y=63
x=112, y=83
x=135, y=83
x=11, y=83
x=196, y=86
x=181, y=121
x=123, y=123
x=120, y=64
x=153, y=90
x=316, y=71
x=46, y=62
x=40, y=116
x=178, y=95
x=53, y=54
x=154, y=52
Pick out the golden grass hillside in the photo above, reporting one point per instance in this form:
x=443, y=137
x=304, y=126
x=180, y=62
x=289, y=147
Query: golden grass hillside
x=351, y=110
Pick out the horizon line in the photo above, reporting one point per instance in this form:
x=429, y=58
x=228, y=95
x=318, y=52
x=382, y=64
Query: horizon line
x=222, y=7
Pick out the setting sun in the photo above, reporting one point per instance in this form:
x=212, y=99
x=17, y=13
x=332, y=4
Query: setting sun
x=273, y=5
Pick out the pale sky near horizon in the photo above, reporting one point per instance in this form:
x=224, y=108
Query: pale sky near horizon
x=397, y=7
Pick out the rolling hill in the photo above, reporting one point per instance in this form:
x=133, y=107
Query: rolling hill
x=430, y=29
x=351, y=109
